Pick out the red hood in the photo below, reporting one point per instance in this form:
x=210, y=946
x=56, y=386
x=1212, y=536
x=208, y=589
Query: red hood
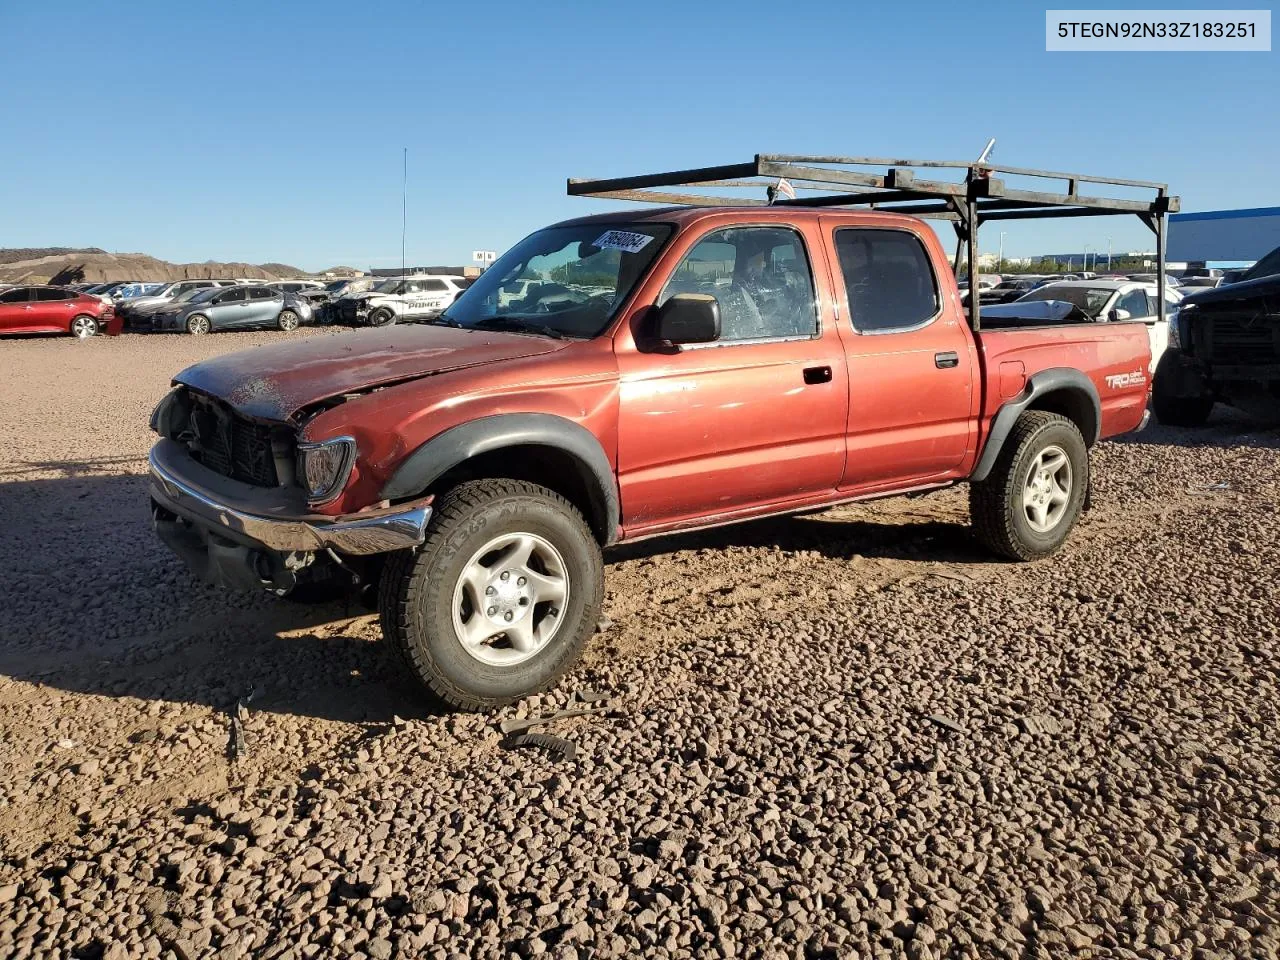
x=275, y=382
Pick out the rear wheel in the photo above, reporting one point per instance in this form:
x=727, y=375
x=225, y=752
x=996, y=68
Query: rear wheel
x=1032, y=498
x=198, y=324
x=288, y=320
x=83, y=327
x=501, y=598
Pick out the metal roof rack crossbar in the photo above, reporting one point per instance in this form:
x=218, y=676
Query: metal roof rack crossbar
x=894, y=185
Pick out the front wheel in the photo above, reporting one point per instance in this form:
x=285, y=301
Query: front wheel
x=288, y=320
x=1032, y=498
x=381, y=317
x=198, y=325
x=83, y=327
x=501, y=598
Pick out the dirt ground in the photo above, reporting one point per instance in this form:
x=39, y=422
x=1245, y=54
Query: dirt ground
x=847, y=734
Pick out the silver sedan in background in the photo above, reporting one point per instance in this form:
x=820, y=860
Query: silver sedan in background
x=235, y=308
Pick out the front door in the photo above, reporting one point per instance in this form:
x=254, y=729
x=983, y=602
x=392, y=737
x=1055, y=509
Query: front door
x=755, y=418
x=15, y=309
x=912, y=399
x=230, y=309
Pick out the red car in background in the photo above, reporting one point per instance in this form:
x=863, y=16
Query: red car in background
x=56, y=310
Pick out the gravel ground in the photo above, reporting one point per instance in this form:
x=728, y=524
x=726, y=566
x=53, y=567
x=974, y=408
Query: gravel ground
x=849, y=734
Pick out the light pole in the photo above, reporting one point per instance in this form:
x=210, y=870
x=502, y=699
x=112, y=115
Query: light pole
x=1108, y=254
x=1086, y=258
x=1000, y=256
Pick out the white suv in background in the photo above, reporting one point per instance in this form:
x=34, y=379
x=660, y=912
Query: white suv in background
x=418, y=297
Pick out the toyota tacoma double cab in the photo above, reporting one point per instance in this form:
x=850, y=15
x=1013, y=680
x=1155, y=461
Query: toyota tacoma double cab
x=672, y=369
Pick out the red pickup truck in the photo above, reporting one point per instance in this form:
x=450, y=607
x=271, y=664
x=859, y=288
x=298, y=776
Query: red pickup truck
x=617, y=377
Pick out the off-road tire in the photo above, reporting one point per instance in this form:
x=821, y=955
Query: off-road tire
x=995, y=504
x=1174, y=411
x=416, y=592
x=287, y=320
x=382, y=317
x=198, y=325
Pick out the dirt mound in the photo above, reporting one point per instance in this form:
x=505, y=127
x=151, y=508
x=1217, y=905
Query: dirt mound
x=57, y=265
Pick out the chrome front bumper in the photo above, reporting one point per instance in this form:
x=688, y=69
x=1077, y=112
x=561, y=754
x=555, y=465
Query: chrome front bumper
x=190, y=498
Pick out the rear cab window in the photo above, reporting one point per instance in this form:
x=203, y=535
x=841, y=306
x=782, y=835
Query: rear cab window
x=888, y=279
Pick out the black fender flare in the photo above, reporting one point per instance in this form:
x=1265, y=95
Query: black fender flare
x=1053, y=380
x=446, y=450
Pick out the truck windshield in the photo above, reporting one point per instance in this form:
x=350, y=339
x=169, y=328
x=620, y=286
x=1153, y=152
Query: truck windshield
x=566, y=281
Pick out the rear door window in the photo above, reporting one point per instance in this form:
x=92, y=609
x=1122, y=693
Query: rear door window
x=888, y=279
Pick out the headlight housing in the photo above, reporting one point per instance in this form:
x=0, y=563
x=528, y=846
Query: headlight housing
x=323, y=468
x=1181, y=314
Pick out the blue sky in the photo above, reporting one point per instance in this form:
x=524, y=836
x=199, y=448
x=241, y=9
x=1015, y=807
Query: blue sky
x=273, y=131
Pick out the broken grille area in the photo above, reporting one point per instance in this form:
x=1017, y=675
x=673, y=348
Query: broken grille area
x=1239, y=337
x=234, y=446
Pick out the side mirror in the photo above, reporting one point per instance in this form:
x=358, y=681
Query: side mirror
x=689, y=318
x=1120, y=315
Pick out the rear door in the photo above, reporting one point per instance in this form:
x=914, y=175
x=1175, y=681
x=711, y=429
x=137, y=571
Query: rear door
x=912, y=366
x=264, y=306
x=15, y=309
x=52, y=308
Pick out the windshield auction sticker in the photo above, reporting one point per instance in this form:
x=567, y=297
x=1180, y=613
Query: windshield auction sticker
x=1176, y=31
x=622, y=240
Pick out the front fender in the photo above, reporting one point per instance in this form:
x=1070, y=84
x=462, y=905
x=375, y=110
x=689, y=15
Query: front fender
x=437, y=456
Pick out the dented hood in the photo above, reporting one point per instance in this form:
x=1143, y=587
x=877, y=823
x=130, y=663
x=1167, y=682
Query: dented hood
x=274, y=382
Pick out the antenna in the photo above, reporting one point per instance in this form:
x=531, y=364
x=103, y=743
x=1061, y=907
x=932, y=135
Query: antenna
x=404, y=207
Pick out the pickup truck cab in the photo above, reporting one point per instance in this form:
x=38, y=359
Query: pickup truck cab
x=678, y=368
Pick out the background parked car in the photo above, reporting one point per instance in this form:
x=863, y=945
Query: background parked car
x=1101, y=301
x=1007, y=291
x=404, y=298
x=44, y=309
x=233, y=308
x=137, y=310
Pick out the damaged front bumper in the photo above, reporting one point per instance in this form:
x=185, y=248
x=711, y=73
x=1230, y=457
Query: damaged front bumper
x=247, y=537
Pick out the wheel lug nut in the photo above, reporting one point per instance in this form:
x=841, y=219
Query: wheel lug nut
x=489, y=591
x=506, y=575
x=492, y=610
x=521, y=582
x=508, y=616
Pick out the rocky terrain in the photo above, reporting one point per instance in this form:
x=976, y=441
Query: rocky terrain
x=92, y=265
x=842, y=735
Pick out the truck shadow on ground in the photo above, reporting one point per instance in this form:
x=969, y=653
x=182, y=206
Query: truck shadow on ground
x=1227, y=428
x=97, y=605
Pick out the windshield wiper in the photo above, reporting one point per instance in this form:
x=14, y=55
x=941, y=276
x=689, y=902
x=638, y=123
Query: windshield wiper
x=517, y=325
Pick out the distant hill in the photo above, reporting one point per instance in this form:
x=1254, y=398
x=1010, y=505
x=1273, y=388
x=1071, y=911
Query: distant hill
x=91, y=264
x=13, y=254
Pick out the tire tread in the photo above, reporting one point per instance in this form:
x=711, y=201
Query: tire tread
x=991, y=500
